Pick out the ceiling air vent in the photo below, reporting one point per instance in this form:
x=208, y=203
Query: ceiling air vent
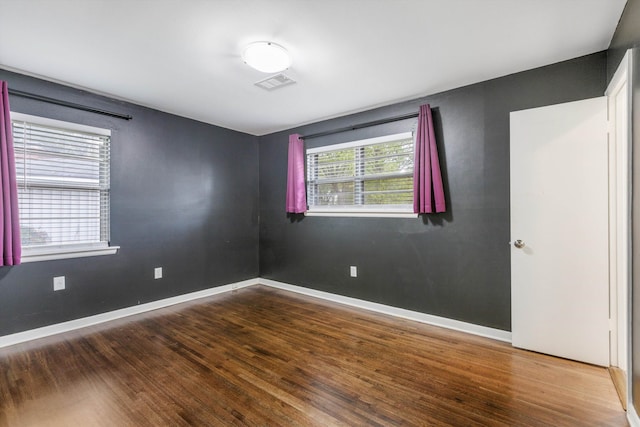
x=275, y=82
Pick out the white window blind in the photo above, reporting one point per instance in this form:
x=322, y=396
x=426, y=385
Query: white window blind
x=62, y=172
x=369, y=175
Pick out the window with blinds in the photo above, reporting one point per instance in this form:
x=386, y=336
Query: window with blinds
x=372, y=175
x=62, y=172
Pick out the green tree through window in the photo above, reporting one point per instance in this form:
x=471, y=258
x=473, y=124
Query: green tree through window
x=376, y=172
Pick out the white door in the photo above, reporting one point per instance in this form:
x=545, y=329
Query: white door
x=559, y=230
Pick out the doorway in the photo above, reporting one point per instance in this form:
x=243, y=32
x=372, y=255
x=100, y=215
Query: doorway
x=617, y=157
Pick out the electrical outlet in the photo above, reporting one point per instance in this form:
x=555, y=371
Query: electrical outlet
x=58, y=283
x=354, y=271
x=157, y=273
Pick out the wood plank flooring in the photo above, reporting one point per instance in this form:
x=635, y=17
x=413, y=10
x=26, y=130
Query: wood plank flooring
x=265, y=357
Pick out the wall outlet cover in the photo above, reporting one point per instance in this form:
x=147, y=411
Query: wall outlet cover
x=59, y=283
x=157, y=273
x=354, y=271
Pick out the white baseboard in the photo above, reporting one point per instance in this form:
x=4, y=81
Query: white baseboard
x=632, y=416
x=71, y=325
x=470, y=328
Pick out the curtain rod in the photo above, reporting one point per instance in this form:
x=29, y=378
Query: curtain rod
x=68, y=104
x=361, y=125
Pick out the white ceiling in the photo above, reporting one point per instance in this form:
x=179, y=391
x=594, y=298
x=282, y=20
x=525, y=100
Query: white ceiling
x=184, y=56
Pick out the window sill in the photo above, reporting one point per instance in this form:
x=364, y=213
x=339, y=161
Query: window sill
x=368, y=214
x=49, y=254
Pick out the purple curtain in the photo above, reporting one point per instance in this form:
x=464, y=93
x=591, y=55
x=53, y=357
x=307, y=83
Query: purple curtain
x=427, y=179
x=9, y=225
x=296, y=191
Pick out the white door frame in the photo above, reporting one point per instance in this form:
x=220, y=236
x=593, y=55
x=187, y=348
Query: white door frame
x=619, y=138
x=619, y=98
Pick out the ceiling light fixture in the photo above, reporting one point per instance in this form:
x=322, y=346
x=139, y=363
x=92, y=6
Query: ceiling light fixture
x=267, y=57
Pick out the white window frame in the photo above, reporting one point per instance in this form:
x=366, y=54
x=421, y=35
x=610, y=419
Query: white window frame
x=53, y=252
x=394, y=211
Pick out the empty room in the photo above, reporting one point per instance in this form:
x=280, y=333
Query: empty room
x=319, y=213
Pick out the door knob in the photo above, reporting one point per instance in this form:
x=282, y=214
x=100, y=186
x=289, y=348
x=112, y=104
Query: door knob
x=518, y=244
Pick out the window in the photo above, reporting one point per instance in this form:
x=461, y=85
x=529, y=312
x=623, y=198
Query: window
x=62, y=172
x=373, y=176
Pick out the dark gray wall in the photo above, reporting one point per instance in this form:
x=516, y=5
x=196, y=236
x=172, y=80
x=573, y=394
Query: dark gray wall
x=627, y=35
x=456, y=264
x=184, y=196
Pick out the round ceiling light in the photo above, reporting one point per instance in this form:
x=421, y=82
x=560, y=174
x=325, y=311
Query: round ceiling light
x=267, y=57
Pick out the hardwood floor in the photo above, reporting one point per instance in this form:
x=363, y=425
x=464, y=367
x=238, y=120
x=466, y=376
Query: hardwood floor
x=265, y=357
